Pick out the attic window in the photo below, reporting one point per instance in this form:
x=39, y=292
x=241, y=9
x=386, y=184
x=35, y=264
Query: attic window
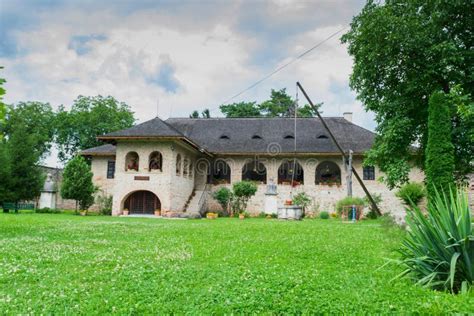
x=289, y=137
x=224, y=137
x=322, y=136
x=256, y=137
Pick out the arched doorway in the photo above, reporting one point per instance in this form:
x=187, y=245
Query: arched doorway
x=290, y=172
x=254, y=171
x=142, y=202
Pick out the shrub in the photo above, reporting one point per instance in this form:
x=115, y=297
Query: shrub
x=348, y=201
x=242, y=192
x=324, y=215
x=372, y=214
x=48, y=210
x=223, y=196
x=411, y=192
x=104, y=203
x=262, y=215
x=438, y=248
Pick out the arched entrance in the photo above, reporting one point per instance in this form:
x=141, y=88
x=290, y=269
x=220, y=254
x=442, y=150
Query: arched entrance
x=142, y=202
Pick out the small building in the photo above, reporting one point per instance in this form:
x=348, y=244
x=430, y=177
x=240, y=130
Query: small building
x=176, y=164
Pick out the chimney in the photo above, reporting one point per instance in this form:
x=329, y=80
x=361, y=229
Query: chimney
x=347, y=116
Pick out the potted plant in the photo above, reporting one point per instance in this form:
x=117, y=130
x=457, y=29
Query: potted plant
x=125, y=212
x=157, y=212
x=288, y=202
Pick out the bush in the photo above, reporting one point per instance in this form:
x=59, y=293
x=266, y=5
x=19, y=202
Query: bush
x=412, y=192
x=372, y=214
x=262, y=215
x=438, y=248
x=223, y=196
x=48, y=210
x=242, y=192
x=104, y=203
x=348, y=201
x=324, y=215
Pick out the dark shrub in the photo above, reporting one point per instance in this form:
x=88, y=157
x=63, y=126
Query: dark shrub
x=372, y=214
x=324, y=215
x=48, y=210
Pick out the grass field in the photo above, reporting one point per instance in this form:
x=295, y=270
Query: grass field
x=92, y=265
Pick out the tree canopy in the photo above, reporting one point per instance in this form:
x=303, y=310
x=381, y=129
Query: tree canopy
x=77, y=183
x=37, y=118
x=89, y=117
x=403, y=51
x=280, y=104
x=2, y=105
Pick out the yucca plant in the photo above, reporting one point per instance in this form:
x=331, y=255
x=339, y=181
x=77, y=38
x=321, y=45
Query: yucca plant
x=438, y=250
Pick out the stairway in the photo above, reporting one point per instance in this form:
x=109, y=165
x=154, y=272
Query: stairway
x=190, y=198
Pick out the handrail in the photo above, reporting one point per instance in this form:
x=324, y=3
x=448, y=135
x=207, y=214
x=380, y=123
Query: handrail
x=203, y=199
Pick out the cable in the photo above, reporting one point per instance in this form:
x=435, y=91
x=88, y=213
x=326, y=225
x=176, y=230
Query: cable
x=285, y=65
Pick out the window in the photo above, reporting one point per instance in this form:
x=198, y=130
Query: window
x=191, y=169
x=328, y=173
x=256, y=137
x=110, y=169
x=155, y=161
x=369, y=172
x=254, y=171
x=219, y=172
x=185, y=167
x=131, y=161
x=289, y=137
x=290, y=172
x=322, y=136
x=178, y=165
x=224, y=137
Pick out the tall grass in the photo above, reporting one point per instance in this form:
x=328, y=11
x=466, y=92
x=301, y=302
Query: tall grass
x=438, y=250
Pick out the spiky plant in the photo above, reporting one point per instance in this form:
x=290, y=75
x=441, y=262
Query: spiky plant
x=438, y=250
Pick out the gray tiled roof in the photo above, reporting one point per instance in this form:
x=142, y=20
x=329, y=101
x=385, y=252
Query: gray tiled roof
x=152, y=128
x=207, y=133
x=107, y=149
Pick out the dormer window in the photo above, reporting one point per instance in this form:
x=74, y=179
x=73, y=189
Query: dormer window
x=224, y=137
x=322, y=136
x=256, y=137
x=289, y=137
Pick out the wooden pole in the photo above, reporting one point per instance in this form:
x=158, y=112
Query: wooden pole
x=367, y=193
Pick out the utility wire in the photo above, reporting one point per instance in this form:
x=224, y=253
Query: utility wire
x=285, y=65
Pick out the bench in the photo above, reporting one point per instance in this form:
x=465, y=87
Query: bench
x=7, y=206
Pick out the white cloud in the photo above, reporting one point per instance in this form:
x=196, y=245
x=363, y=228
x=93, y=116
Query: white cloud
x=207, y=52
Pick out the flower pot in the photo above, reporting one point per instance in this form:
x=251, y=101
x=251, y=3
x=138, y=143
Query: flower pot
x=288, y=202
x=241, y=216
x=157, y=213
x=125, y=212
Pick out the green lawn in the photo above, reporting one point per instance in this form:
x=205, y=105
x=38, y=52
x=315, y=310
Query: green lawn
x=71, y=264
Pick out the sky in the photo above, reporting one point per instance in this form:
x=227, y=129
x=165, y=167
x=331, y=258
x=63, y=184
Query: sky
x=172, y=57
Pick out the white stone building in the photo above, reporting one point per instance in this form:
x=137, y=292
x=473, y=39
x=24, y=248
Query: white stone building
x=176, y=164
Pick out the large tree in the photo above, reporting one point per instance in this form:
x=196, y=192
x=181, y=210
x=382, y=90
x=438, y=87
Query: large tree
x=439, y=163
x=280, y=104
x=403, y=51
x=24, y=177
x=38, y=118
x=77, y=183
x=89, y=117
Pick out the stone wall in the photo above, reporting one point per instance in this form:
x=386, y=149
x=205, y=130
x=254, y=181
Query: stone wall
x=324, y=197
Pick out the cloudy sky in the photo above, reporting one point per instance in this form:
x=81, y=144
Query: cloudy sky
x=183, y=55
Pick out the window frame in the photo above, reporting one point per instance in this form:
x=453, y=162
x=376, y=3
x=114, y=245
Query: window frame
x=368, y=173
x=111, y=174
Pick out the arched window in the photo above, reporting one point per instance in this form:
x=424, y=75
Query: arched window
x=289, y=136
x=131, y=161
x=219, y=172
x=290, y=171
x=178, y=165
x=328, y=172
x=256, y=137
x=322, y=136
x=224, y=137
x=254, y=171
x=185, y=166
x=155, y=161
